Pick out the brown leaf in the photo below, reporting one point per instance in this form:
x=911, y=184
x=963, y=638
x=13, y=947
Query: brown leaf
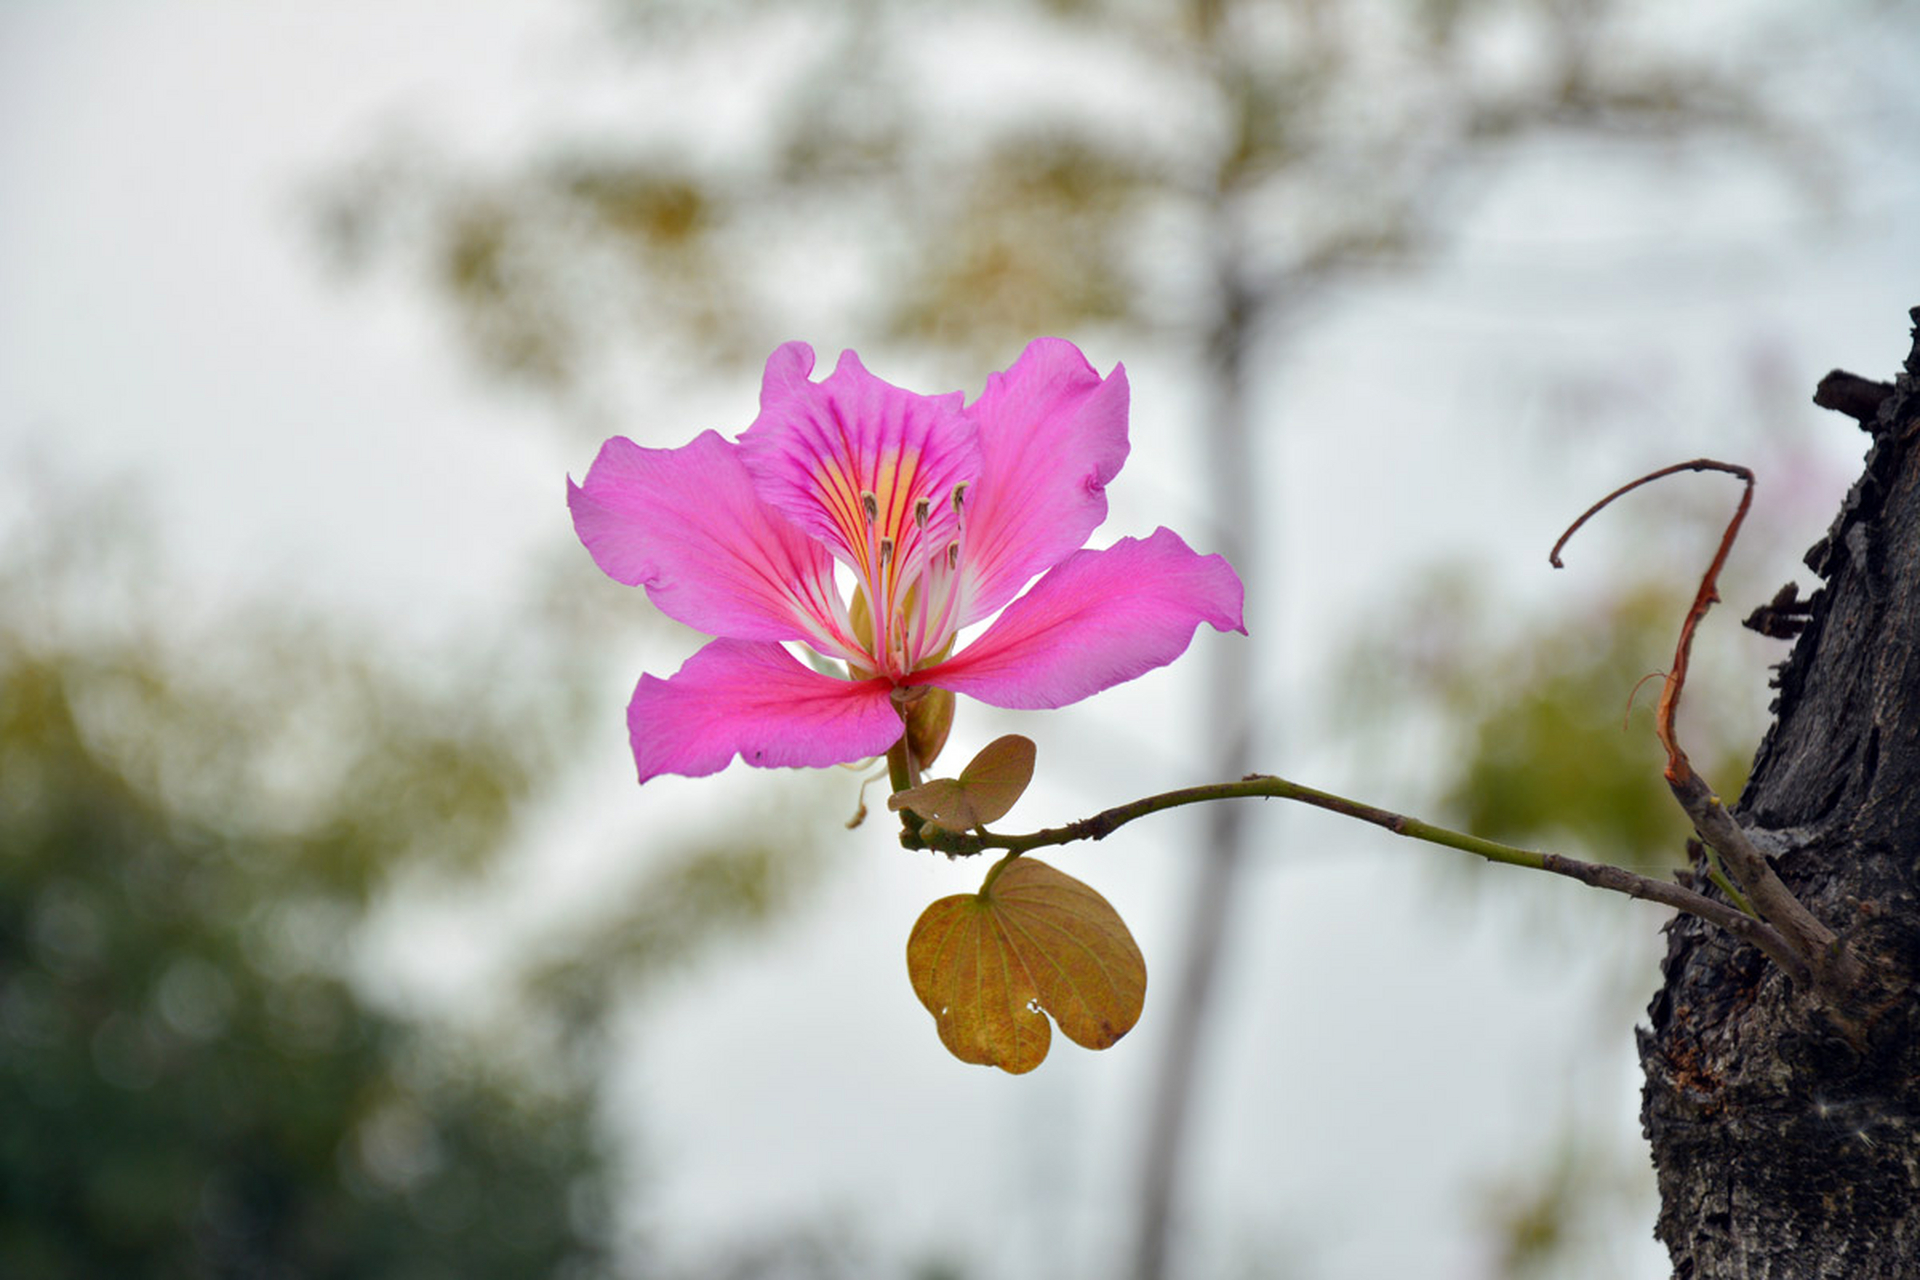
x=938, y=800
x=986, y=965
x=986, y=789
x=995, y=779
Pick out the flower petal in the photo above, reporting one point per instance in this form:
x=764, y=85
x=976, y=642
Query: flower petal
x=751, y=698
x=1099, y=618
x=1053, y=434
x=686, y=525
x=818, y=447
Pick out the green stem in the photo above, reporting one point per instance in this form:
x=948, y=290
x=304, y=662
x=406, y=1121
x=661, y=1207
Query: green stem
x=899, y=768
x=1265, y=786
x=902, y=775
x=1717, y=874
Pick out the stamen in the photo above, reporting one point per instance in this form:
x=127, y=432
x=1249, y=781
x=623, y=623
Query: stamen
x=916, y=628
x=954, y=606
x=937, y=589
x=871, y=573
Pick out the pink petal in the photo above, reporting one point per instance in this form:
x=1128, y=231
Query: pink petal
x=1097, y=619
x=817, y=447
x=752, y=699
x=1053, y=433
x=686, y=525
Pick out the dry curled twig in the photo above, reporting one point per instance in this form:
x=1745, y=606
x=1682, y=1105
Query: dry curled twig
x=1821, y=956
x=1678, y=767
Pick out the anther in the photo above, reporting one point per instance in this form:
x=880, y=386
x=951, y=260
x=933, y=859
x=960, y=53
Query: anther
x=922, y=508
x=870, y=504
x=886, y=552
x=959, y=496
x=953, y=555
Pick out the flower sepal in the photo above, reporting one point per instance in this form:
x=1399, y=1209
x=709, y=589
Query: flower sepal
x=929, y=717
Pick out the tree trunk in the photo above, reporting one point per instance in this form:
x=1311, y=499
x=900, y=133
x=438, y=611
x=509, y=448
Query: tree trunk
x=1786, y=1138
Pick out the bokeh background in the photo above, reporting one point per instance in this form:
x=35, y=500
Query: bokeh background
x=335, y=938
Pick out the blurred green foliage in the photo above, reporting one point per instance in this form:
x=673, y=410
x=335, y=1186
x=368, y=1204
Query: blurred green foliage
x=1539, y=732
x=199, y=814
x=191, y=1087
x=1576, y=1200
x=1548, y=728
x=1271, y=148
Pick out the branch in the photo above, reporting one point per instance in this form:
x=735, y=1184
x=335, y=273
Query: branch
x=1265, y=786
x=1819, y=954
x=1834, y=968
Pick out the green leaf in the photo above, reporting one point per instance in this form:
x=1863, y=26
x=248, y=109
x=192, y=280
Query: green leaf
x=986, y=789
x=1034, y=941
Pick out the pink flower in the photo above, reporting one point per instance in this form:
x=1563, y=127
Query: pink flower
x=939, y=512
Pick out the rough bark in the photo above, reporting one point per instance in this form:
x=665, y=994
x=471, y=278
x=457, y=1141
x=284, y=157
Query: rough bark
x=1786, y=1130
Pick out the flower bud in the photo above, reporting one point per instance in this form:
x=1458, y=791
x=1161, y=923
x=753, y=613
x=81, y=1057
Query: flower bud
x=929, y=717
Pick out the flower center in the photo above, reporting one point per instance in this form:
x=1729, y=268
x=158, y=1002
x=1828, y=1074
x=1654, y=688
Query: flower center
x=907, y=603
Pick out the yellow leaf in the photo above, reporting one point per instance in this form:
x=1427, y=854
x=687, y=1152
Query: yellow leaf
x=990, y=966
x=985, y=790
